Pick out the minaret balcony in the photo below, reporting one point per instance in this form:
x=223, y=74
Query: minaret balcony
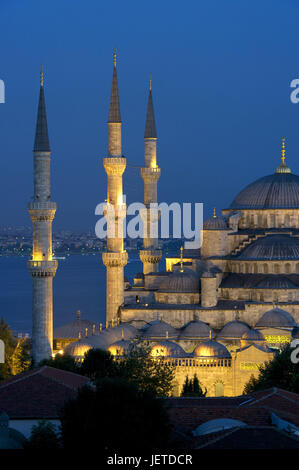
x=115, y=259
x=42, y=205
x=42, y=268
x=150, y=174
x=150, y=256
x=115, y=165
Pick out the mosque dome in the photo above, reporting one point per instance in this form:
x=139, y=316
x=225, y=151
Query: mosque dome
x=253, y=335
x=75, y=328
x=196, y=329
x=233, y=330
x=215, y=223
x=77, y=348
x=276, y=318
x=272, y=247
x=167, y=349
x=160, y=329
x=120, y=348
x=211, y=349
x=277, y=191
x=181, y=281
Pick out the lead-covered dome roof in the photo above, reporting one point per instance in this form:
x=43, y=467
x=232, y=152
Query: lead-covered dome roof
x=196, y=329
x=181, y=281
x=215, y=223
x=167, y=349
x=276, y=318
x=233, y=329
x=277, y=191
x=211, y=349
x=272, y=247
x=159, y=329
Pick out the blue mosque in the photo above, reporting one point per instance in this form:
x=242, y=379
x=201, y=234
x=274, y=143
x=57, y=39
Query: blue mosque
x=218, y=312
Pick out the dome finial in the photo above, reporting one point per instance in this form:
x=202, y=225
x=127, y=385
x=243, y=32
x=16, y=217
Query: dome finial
x=283, y=168
x=114, y=57
x=182, y=259
x=214, y=213
x=210, y=335
x=41, y=75
x=150, y=82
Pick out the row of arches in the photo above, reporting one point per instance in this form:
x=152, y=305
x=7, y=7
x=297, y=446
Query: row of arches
x=269, y=221
x=265, y=267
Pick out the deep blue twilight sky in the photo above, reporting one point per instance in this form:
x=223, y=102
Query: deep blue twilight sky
x=221, y=87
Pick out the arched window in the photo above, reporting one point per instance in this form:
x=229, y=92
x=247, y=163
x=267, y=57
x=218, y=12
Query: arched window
x=276, y=269
x=297, y=268
x=255, y=268
x=287, y=220
x=288, y=268
x=219, y=389
x=266, y=270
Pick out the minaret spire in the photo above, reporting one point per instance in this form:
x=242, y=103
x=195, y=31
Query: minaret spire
x=114, y=110
x=41, y=142
x=150, y=125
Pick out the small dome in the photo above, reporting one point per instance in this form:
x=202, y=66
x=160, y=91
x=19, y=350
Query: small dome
x=73, y=329
x=120, y=348
x=167, y=349
x=253, y=335
x=215, y=223
x=216, y=425
x=211, y=349
x=276, y=318
x=208, y=274
x=160, y=329
x=196, y=329
x=272, y=247
x=77, y=349
x=178, y=282
x=233, y=330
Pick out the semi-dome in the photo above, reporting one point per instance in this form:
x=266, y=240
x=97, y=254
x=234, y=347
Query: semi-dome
x=276, y=318
x=160, y=329
x=211, y=349
x=253, y=335
x=277, y=191
x=276, y=282
x=196, y=329
x=167, y=349
x=233, y=330
x=215, y=223
x=185, y=281
x=272, y=247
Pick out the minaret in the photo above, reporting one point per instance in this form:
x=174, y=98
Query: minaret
x=42, y=267
x=115, y=258
x=150, y=173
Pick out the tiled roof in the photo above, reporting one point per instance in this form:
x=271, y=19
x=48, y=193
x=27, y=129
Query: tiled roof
x=39, y=393
x=252, y=437
x=254, y=409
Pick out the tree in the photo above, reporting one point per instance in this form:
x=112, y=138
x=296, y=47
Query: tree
x=17, y=353
x=192, y=388
x=114, y=417
x=280, y=372
x=62, y=361
x=98, y=364
x=147, y=373
x=44, y=435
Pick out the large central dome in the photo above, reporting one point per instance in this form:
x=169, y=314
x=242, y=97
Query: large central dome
x=277, y=191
